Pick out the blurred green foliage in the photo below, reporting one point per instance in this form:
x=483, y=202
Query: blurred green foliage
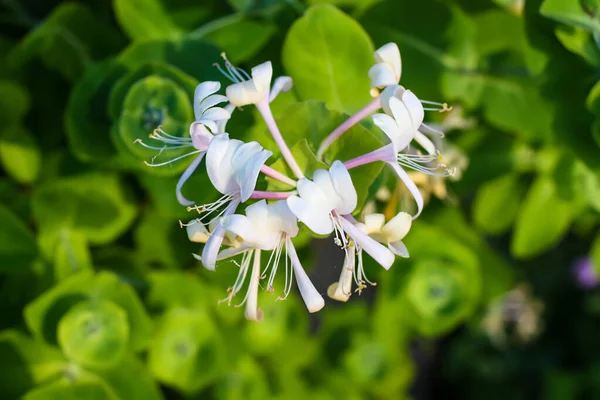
x=99, y=295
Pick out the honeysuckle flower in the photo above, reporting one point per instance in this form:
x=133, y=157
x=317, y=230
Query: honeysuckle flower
x=268, y=227
x=233, y=167
x=324, y=205
x=390, y=233
x=388, y=67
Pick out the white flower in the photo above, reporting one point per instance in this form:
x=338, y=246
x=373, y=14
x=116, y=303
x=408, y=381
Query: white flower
x=375, y=227
x=268, y=227
x=205, y=112
x=388, y=67
x=233, y=167
x=324, y=205
x=255, y=87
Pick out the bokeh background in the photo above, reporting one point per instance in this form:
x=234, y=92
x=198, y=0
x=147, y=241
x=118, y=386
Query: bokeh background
x=101, y=299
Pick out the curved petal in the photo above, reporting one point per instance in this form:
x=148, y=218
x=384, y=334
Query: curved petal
x=282, y=84
x=390, y=54
x=317, y=220
x=183, y=179
x=209, y=124
x=425, y=143
x=404, y=121
x=261, y=75
x=397, y=228
x=378, y=252
x=410, y=185
x=201, y=137
x=389, y=92
x=388, y=125
x=211, y=249
x=312, y=193
x=381, y=75
x=399, y=249
x=209, y=102
x=374, y=223
x=243, y=93
x=342, y=183
x=197, y=232
x=202, y=91
x=247, y=176
x=233, y=251
x=223, y=123
x=288, y=222
x=257, y=212
x=244, y=153
x=312, y=299
x=414, y=107
x=322, y=179
x=218, y=162
x=216, y=114
x=252, y=312
x=342, y=289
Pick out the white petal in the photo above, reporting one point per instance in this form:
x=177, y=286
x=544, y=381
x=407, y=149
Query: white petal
x=203, y=90
x=390, y=54
x=410, y=185
x=342, y=183
x=389, y=92
x=388, y=125
x=209, y=102
x=223, y=123
x=312, y=299
x=253, y=313
x=216, y=114
x=211, y=249
x=201, y=137
x=210, y=125
x=244, y=93
x=311, y=192
x=374, y=223
x=322, y=179
x=246, y=174
x=342, y=289
x=379, y=253
x=317, y=220
x=258, y=211
x=399, y=249
x=382, y=75
x=218, y=163
x=415, y=108
x=288, y=222
x=397, y=227
x=425, y=142
x=184, y=177
x=281, y=84
x=404, y=122
x=261, y=75
x=197, y=232
x=233, y=251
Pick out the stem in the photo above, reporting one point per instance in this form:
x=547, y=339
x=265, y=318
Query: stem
x=258, y=194
x=270, y=172
x=367, y=110
x=265, y=110
x=385, y=153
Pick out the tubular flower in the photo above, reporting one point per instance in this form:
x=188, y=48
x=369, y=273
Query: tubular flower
x=390, y=233
x=268, y=227
x=324, y=205
x=233, y=167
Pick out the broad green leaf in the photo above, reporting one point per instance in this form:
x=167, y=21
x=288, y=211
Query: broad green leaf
x=131, y=380
x=145, y=19
x=543, y=219
x=312, y=121
x=246, y=379
x=328, y=55
x=95, y=204
x=68, y=41
x=94, y=334
x=240, y=37
x=14, y=103
x=497, y=202
x=17, y=244
x=72, y=254
x=580, y=42
x=571, y=13
x=595, y=253
x=26, y=363
x=89, y=390
x=307, y=161
x=20, y=154
x=175, y=290
x=185, y=352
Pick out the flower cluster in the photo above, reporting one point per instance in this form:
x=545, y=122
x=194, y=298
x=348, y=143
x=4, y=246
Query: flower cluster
x=324, y=202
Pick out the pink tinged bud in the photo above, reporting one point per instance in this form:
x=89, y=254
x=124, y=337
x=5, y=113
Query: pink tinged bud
x=312, y=299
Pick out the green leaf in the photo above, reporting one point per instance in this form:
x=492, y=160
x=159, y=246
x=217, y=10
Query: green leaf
x=95, y=204
x=20, y=154
x=131, y=380
x=176, y=290
x=328, y=55
x=307, y=161
x=185, y=352
x=145, y=19
x=94, y=334
x=543, y=219
x=14, y=103
x=72, y=254
x=17, y=245
x=68, y=41
x=26, y=363
x=311, y=122
x=240, y=37
x=580, y=42
x=569, y=12
x=595, y=253
x=497, y=203
x=90, y=390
